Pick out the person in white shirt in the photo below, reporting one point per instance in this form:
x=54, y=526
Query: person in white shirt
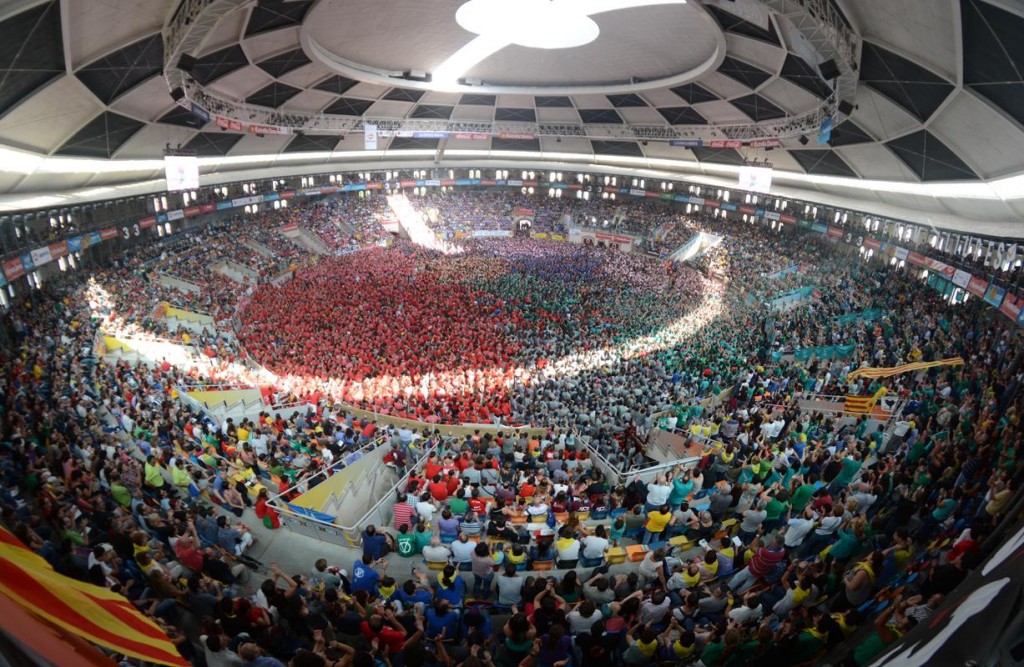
x=750, y=611
x=436, y=552
x=658, y=492
x=426, y=508
x=655, y=609
x=595, y=546
x=798, y=527
x=462, y=549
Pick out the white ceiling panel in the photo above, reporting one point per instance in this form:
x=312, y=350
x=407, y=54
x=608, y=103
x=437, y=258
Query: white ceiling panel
x=46, y=119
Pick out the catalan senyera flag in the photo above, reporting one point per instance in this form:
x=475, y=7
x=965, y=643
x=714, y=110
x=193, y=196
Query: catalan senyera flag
x=95, y=614
x=905, y=368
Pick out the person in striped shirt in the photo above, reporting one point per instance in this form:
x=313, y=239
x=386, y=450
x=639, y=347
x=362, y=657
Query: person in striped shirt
x=403, y=512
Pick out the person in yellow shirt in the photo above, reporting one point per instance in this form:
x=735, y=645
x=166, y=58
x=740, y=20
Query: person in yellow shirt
x=657, y=521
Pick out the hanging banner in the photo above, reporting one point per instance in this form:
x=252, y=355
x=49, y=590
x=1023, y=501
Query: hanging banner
x=40, y=257
x=686, y=143
x=1011, y=305
x=977, y=286
x=200, y=113
x=13, y=269
x=918, y=260
x=269, y=129
x=517, y=135
x=820, y=228
x=901, y=253
x=835, y=232
x=471, y=136
x=75, y=244
x=725, y=143
x=994, y=295
x=28, y=262
x=370, y=137
x=108, y=233
x=229, y=124
x=765, y=143
x=825, y=131
x=959, y=278
x=872, y=243
x=58, y=250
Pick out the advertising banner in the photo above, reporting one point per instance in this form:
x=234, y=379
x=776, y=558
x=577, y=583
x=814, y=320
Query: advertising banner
x=200, y=113
x=977, y=286
x=370, y=137
x=517, y=135
x=13, y=269
x=960, y=278
x=229, y=124
x=472, y=136
x=820, y=228
x=835, y=232
x=108, y=233
x=765, y=143
x=75, y=244
x=491, y=233
x=176, y=214
x=994, y=295
x=41, y=256
x=901, y=253
x=918, y=260
x=290, y=227
x=686, y=143
x=269, y=129
x=637, y=192
x=58, y=250
x=725, y=143
x=872, y=243
x=1011, y=305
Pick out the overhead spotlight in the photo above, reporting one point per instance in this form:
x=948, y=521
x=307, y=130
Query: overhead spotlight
x=803, y=140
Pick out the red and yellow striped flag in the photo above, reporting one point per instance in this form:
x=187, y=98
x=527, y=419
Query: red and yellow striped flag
x=905, y=368
x=90, y=612
x=859, y=404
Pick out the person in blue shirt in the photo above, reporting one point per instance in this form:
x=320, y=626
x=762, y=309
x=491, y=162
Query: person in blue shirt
x=364, y=577
x=413, y=594
x=440, y=618
x=450, y=586
x=376, y=545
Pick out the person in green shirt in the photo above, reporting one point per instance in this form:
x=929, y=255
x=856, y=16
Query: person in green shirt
x=459, y=505
x=119, y=492
x=851, y=466
x=801, y=496
x=885, y=634
x=406, y=542
x=422, y=536
x=153, y=475
x=775, y=509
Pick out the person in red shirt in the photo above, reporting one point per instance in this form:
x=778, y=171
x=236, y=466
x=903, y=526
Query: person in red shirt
x=453, y=482
x=432, y=468
x=386, y=630
x=438, y=488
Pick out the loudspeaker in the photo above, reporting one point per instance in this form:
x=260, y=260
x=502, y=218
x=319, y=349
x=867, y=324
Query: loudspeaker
x=829, y=70
x=846, y=108
x=186, y=62
x=803, y=140
x=177, y=94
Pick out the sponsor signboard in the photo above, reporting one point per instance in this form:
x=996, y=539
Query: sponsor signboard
x=994, y=295
x=977, y=286
x=13, y=269
x=108, y=233
x=1011, y=305
x=686, y=143
x=229, y=124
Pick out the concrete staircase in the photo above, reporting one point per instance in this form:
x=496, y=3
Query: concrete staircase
x=178, y=284
x=258, y=247
x=307, y=240
x=237, y=272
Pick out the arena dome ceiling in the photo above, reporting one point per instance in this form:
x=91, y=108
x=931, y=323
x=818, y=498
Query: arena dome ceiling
x=939, y=90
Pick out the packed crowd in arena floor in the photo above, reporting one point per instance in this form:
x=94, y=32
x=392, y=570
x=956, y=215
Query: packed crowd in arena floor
x=844, y=536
